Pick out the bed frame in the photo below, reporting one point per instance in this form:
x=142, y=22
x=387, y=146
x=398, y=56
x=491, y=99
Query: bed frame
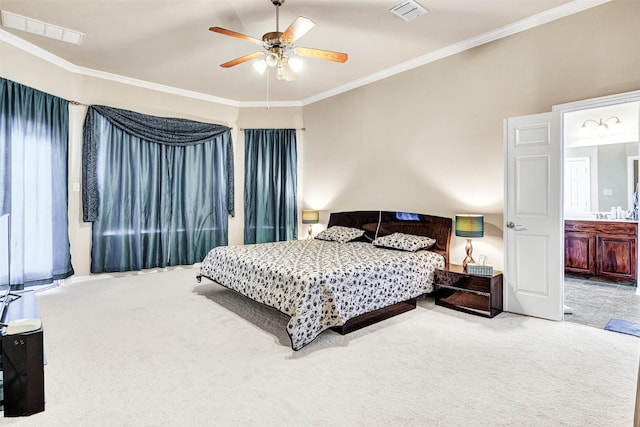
x=382, y=223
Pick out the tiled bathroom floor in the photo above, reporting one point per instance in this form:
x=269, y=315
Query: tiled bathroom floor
x=594, y=303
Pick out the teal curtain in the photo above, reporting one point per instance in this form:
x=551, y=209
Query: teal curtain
x=270, y=188
x=160, y=130
x=128, y=234
x=198, y=206
x=159, y=204
x=34, y=129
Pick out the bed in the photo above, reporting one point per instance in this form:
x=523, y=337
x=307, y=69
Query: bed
x=332, y=283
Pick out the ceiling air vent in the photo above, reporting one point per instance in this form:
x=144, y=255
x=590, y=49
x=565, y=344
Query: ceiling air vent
x=30, y=25
x=408, y=10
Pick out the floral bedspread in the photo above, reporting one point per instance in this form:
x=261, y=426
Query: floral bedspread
x=321, y=284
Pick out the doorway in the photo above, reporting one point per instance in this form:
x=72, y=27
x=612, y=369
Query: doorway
x=601, y=150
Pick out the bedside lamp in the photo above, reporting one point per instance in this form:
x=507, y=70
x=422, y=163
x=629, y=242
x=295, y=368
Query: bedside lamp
x=469, y=226
x=310, y=217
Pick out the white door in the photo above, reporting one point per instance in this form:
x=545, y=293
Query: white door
x=533, y=233
x=577, y=186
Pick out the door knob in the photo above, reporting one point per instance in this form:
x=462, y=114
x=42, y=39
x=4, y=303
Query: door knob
x=515, y=227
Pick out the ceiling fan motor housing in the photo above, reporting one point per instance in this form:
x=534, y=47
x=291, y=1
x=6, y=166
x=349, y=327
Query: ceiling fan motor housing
x=272, y=39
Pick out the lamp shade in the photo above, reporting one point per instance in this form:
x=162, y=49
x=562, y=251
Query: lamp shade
x=310, y=217
x=469, y=225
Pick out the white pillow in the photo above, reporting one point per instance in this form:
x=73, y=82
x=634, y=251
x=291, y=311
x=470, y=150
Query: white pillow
x=340, y=234
x=404, y=242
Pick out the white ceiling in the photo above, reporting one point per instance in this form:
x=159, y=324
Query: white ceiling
x=166, y=43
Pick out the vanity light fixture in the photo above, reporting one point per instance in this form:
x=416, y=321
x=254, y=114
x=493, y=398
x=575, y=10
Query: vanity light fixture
x=601, y=126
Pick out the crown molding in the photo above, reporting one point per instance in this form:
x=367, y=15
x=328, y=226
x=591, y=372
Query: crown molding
x=45, y=55
x=505, y=31
x=157, y=87
x=34, y=50
x=269, y=104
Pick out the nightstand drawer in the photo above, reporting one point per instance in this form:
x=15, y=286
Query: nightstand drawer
x=462, y=281
x=456, y=289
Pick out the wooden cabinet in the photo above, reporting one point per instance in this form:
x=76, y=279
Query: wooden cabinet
x=456, y=289
x=601, y=248
x=579, y=252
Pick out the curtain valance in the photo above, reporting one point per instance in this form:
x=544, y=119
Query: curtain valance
x=161, y=130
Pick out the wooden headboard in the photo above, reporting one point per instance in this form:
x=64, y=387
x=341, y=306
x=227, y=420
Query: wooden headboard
x=436, y=227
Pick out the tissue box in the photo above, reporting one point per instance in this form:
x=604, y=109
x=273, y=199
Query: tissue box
x=480, y=270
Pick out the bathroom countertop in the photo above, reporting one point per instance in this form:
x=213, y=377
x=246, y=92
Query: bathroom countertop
x=600, y=220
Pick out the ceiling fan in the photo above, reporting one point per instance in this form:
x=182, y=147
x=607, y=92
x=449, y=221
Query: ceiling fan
x=278, y=46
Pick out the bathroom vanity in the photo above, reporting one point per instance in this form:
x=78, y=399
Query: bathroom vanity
x=601, y=247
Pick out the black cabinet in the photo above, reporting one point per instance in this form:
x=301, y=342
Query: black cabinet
x=22, y=358
x=456, y=289
x=23, y=374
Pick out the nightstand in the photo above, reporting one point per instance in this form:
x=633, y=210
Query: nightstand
x=456, y=289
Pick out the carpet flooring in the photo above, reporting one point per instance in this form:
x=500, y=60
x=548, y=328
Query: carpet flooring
x=159, y=349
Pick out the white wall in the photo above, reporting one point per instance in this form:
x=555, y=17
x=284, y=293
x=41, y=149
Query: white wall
x=430, y=140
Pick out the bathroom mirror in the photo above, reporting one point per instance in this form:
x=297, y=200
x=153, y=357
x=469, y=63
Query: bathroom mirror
x=601, y=162
x=600, y=177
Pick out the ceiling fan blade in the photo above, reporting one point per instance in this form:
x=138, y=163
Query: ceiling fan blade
x=327, y=55
x=297, y=29
x=242, y=59
x=226, y=32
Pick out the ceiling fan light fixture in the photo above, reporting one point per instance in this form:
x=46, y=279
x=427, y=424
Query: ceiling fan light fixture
x=272, y=59
x=295, y=64
x=260, y=66
x=281, y=74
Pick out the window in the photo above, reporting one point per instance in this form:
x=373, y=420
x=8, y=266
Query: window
x=165, y=189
